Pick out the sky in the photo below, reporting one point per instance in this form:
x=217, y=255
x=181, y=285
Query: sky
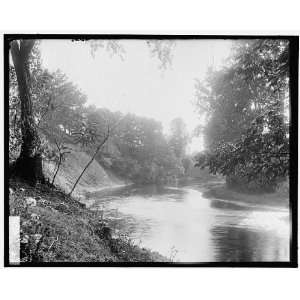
x=136, y=84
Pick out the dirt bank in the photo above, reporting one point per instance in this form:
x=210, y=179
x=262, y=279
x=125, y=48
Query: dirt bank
x=95, y=177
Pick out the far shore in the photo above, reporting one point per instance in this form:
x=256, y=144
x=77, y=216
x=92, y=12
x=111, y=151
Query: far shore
x=221, y=191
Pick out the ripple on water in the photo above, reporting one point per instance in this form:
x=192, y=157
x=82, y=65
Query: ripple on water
x=201, y=229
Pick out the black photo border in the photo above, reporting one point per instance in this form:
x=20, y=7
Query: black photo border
x=293, y=201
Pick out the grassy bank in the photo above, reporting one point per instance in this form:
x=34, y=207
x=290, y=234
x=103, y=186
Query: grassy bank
x=57, y=228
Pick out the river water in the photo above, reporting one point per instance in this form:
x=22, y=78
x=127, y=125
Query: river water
x=184, y=225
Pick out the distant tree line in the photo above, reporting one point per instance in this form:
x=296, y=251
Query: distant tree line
x=133, y=147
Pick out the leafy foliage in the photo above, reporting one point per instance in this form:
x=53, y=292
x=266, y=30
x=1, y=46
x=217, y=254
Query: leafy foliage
x=162, y=49
x=245, y=104
x=261, y=155
x=137, y=148
x=142, y=152
x=179, y=137
x=57, y=106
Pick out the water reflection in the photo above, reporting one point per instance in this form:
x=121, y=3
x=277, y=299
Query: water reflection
x=200, y=229
x=243, y=244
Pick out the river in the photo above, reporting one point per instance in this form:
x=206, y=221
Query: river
x=184, y=225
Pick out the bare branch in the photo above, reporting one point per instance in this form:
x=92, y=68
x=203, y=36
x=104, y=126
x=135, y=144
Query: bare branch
x=108, y=134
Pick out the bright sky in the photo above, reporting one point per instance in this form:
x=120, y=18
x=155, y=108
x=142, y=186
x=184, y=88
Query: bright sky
x=136, y=84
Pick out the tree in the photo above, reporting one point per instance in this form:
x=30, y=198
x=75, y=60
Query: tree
x=62, y=107
x=179, y=137
x=57, y=107
x=245, y=104
x=163, y=50
x=230, y=98
x=29, y=164
x=89, y=136
x=92, y=137
x=259, y=159
x=140, y=151
x=62, y=151
x=15, y=136
x=187, y=164
x=42, y=104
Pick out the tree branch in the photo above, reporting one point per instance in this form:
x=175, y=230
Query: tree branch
x=108, y=134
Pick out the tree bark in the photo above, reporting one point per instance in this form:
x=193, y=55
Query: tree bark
x=29, y=164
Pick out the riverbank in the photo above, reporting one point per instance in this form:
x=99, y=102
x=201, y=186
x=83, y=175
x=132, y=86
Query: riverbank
x=58, y=228
x=220, y=191
x=95, y=178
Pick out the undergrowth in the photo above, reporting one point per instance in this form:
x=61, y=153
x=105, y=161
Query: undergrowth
x=57, y=228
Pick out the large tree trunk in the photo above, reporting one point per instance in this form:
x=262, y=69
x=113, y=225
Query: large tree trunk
x=29, y=164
